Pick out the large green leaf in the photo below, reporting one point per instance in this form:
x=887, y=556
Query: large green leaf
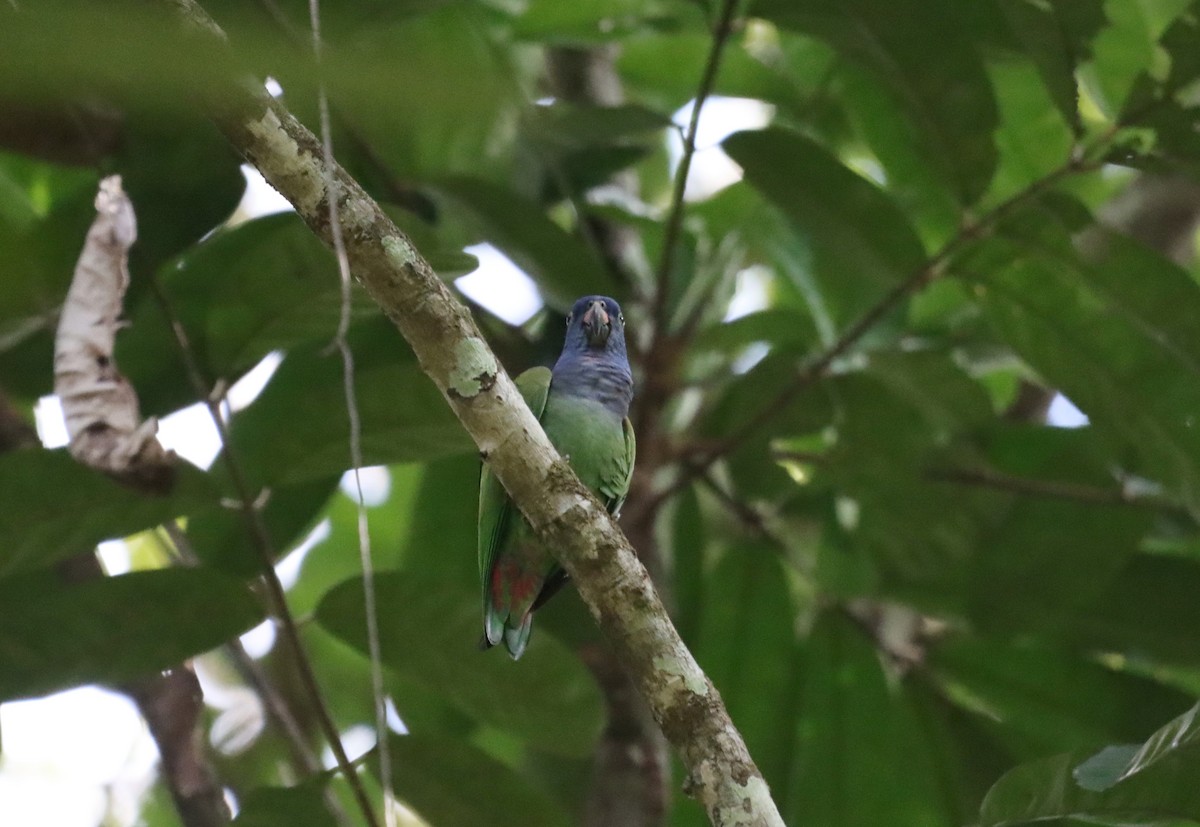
x=859, y=757
x=562, y=126
x=241, y=293
x=1147, y=610
x=1049, y=699
x=404, y=417
x=54, y=635
x=300, y=806
x=222, y=538
x=664, y=67
x=1045, y=557
x=920, y=53
x=1161, y=101
x=863, y=241
x=894, y=422
x=452, y=91
x=1119, y=347
x=1033, y=138
x=1057, y=37
x=1120, y=785
x=429, y=627
x=561, y=264
x=747, y=645
x=184, y=180
x=53, y=507
x=432, y=774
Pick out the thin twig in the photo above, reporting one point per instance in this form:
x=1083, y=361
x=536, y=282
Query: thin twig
x=720, y=36
x=370, y=606
x=1054, y=489
x=928, y=271
x=181, y=552
x=261, y=541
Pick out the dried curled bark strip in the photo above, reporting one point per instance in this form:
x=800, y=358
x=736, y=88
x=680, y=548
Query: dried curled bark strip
x=101, y=407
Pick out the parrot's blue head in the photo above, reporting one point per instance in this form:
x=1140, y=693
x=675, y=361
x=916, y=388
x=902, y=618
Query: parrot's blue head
x=594, y=362
x=596, y=324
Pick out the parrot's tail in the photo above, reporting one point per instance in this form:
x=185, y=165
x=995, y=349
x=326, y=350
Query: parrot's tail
x=499, y=628
x=516, y=638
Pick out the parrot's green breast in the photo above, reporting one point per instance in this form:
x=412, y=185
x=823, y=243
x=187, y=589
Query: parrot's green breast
x=594, y=441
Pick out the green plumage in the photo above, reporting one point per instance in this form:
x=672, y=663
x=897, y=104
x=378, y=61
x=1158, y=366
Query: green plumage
x=514, y=567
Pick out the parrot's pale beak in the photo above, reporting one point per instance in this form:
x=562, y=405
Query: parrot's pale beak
x=596, y=324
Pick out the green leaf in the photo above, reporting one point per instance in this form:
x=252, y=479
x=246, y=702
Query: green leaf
x=243, y=292
x=561, y=264
x=54, y=507
x=747, y=646
x=430, y=775
x=859, y=757
x=183, y=178
x=429, y=627
x=404, y=417
x=1147, y=610
x=1048, y=697
x=1152, y=787
x=453, y=91
x=563, y=126
x=919, y=52
x=894, y=422
x=664, y=67
x=221, y=538
x=1118, y=347
x=54, y=635
x=864, y=243
x=1057, y=37
x=300, y=806
x=1033, y=138
x=1046, y=557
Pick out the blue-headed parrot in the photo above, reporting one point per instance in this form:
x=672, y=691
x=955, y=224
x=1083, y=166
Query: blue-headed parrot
x=583, y=404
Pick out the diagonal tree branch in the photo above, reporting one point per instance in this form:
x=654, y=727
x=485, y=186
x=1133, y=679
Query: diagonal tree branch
x=451, y=350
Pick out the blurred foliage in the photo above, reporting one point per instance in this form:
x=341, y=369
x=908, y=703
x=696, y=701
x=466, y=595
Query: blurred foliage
x=921, y=603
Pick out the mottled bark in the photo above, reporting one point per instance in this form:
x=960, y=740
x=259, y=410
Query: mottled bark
x=610, y=578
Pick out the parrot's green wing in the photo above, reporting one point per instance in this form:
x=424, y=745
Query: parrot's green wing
x=495, y=508
x=615, y=484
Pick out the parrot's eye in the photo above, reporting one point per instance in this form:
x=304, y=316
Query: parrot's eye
x=621, y=318
x=569, y=317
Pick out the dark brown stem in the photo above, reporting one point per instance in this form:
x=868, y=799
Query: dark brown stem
x=171, y=703
x=278, y=711
x=261, y=541
x=720, y=36
x=15, y=432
